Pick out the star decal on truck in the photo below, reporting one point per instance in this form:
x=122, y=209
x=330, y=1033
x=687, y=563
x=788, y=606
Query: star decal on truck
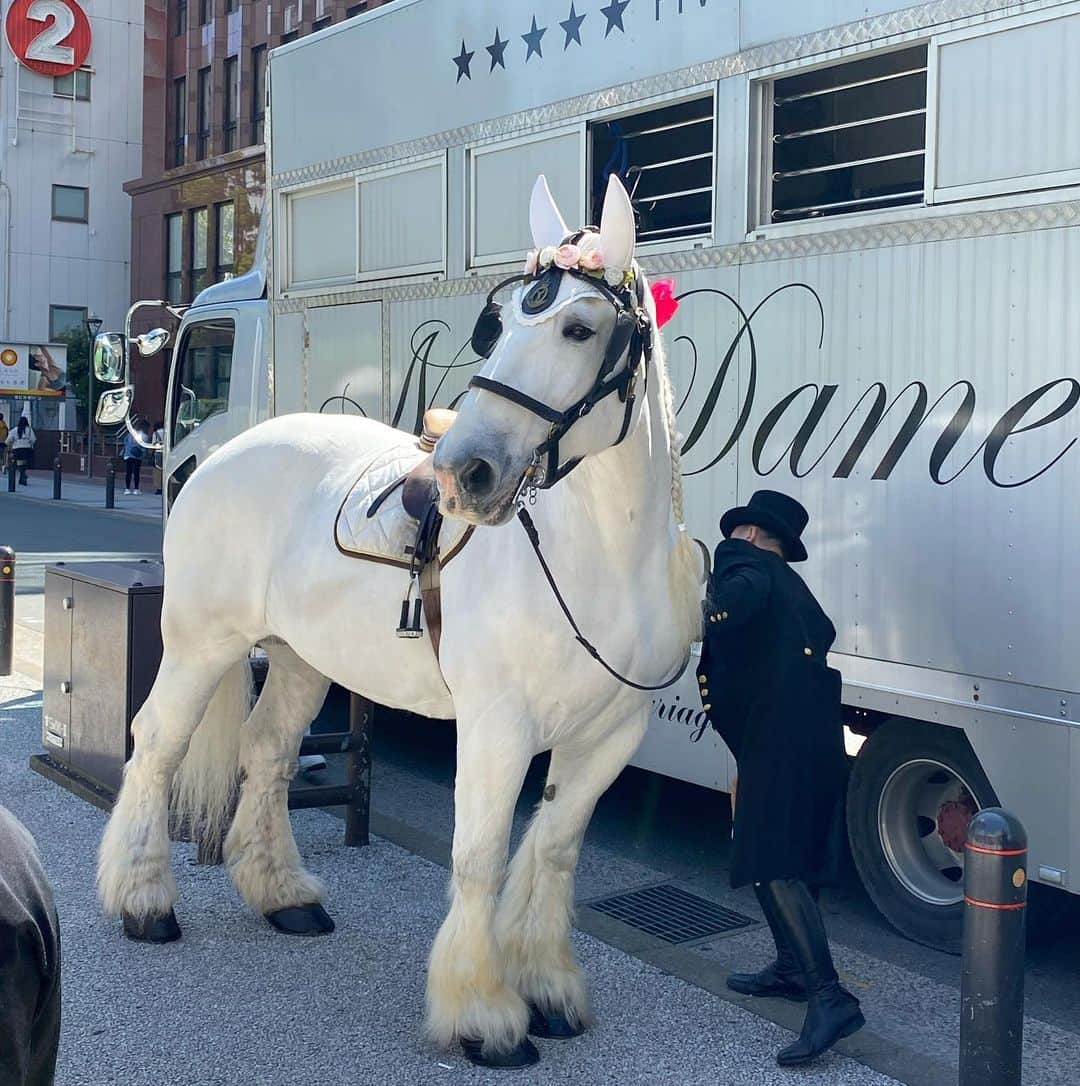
x=463, y=60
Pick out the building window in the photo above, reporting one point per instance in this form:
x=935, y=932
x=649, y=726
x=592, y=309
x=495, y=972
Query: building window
x=847, y=138
x=665, y=158
x=70, y=203
x=225, y=251
x=206, y=11
x=64, y=319
x=356, y=9
x=258, y=93
x=179, y=121
x=231, y=104
x=231, y=6
x=174, y=258
x=179, y=18
x=73, y=85
x=199, y=223
x=202, y=146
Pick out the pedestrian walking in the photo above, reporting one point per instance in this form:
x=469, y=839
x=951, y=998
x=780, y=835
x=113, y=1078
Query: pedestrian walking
x=29, y=961
x=769, y=692
x=133, y=458
x=3, y=440
x=22, y=447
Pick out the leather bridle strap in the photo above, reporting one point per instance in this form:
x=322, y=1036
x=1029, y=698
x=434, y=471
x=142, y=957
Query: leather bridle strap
x=534, y=539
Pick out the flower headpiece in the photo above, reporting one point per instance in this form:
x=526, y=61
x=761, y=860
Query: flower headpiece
x=586, y=257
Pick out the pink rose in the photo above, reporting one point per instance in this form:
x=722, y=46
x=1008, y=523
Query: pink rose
x=567, y=256
x=593, y=260
x=530, y=262
x=547, y=256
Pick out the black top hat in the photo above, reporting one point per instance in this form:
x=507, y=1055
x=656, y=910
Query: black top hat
x=778, y=514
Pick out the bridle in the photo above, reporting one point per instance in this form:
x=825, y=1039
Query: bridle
x=632, y=336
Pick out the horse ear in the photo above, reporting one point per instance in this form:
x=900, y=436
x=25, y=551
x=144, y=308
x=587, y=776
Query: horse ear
x=547, y=224
x=617, y=230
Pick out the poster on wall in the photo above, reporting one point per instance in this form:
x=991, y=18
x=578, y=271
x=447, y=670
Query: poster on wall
x=33, y=369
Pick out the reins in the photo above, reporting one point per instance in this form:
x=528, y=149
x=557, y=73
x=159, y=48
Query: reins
x=586, y=644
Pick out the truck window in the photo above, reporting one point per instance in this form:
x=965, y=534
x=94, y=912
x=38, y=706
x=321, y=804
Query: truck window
x=201, y=376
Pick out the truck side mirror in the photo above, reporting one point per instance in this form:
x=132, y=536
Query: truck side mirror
x=114, y=405
x=149, y=343
x=109, y=358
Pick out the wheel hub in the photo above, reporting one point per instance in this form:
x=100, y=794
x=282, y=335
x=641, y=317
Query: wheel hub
x=953, y=819
x=923, y=814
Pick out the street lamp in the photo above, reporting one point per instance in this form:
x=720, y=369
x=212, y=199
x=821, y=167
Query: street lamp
x=93, y=326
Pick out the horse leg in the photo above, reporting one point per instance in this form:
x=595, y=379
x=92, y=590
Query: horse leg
x=134, y=877
x=468, y=998
x=535, y=911
x=260, y=850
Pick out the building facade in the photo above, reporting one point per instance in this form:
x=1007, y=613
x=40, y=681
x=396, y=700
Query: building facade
x=67, y=145
x=196, y=206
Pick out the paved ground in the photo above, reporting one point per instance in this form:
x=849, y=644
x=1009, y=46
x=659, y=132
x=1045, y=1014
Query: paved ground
x=648, y=829
x=88, y=493
x=233, y=1003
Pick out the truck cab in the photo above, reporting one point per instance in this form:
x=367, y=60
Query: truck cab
x=219, y=377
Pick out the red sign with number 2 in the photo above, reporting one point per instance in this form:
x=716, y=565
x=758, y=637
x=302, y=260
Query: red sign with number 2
x=49, y=36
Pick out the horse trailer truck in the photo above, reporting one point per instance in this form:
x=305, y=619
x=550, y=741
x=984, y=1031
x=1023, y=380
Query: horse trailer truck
x=871, y=212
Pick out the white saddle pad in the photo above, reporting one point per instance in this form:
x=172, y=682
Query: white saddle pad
x=386, y=536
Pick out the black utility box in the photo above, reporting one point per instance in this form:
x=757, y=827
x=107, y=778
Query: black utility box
x=102, y=652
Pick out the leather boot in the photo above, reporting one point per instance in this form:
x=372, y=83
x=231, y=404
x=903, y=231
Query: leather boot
x=832, y=1012
x=781, y=980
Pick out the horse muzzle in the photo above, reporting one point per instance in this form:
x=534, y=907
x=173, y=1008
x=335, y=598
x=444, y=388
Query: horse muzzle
x=471, y=487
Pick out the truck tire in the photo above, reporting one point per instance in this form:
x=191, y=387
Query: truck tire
x=913, y=789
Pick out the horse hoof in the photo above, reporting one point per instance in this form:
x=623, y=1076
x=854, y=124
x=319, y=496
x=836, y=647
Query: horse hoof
x=551, y=1026
x=523, y=1055
x=152, y=929
x=310, y=919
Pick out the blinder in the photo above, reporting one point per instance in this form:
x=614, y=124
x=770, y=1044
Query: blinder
x=631, y=335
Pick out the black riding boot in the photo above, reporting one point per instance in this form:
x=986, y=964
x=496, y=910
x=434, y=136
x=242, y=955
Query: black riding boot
x=781, y=980
x=832, y=1011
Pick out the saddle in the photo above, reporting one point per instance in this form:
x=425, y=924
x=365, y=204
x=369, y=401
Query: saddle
x=409, y=507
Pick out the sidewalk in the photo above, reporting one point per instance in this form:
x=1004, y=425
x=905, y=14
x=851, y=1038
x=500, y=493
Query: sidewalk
x=233, y=1003
x=78, y=490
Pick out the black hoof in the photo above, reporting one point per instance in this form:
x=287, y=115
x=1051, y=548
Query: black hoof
x=551, y=1026
x=152, y=929
x=310, y=919
x=524, y=1055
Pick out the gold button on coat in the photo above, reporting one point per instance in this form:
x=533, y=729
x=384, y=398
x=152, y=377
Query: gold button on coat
x=809, y=651
x=706, y=707
x=703, y=678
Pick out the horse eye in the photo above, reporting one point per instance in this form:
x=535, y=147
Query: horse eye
x=579, y=332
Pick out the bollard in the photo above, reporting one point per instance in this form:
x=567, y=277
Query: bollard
x=110, y=487
x=57, y=477
x=7, y=609
x=992, y=970
x=11, y=474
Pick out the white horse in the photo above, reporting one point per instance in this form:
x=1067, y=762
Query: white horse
x=251, y=560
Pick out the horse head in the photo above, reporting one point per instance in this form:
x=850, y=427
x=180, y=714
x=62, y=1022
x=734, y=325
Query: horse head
x=563, y=360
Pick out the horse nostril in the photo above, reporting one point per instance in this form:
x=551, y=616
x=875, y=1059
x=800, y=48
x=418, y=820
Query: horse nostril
x=477, y=478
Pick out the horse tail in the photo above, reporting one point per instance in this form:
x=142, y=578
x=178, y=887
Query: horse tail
x=205, y=786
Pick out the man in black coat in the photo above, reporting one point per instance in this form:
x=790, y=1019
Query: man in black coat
x=769, y=692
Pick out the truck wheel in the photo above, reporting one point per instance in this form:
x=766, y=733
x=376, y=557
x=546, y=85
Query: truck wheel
x=913, y=789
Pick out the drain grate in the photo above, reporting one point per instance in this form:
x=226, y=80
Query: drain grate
x=671, y=914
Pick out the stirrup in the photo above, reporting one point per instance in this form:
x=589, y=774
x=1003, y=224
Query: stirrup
x=407, y=628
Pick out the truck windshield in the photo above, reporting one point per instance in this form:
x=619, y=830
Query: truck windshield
x=201, y=376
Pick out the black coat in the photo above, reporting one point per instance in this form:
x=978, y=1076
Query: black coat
x=771, y=695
